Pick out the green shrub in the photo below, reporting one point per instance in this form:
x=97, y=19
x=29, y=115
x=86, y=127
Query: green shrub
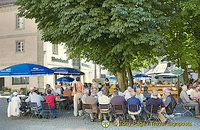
x=5, y=89
x=23, y=91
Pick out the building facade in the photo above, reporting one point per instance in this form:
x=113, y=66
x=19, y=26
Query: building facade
x=20, y=42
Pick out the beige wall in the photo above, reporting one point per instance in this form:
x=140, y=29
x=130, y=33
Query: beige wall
x=9, y=35
x=8, y=23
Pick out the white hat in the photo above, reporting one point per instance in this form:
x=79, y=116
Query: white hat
x=15, y=93
x=31, y=88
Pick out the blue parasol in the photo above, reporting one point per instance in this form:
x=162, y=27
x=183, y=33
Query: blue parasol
x=65, y=79
x=66, y=71
x=142, y=76
x=25, y=70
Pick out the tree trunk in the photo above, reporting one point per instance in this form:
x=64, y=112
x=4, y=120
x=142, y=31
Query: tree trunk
x=185, y=74
x=199, y=72
x=121, y=78
x=130, y=76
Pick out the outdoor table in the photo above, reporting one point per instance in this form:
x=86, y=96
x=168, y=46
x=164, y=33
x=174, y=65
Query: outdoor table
x=60, y=103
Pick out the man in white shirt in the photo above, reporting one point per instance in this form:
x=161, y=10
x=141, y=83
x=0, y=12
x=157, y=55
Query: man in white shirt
x=34, y=97
x=104, y=100
x=128, y=94
x=127, y=90
x=139, y=95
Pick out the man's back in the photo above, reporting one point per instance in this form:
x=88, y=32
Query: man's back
x=134, y=101
x=153, y=102
x=68, y=93
x=90, y=100
x=119, y=100
x=104, y=99
x=35, y=98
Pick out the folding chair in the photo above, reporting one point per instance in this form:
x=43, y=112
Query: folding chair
x=85, y=108
x=24, y=108
x=153, y=114
x=185, y=107
x=34, y=109
x=119, y=110
x=135, y=108
x=104, y=109
x=46, y=109
x=171, y=116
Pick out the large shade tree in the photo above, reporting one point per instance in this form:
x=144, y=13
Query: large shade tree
x=108, y=32
x=182, y=35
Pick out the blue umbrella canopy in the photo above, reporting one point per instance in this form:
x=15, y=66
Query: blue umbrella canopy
x=142, y=76
x=25, y=69
x=66, y=71
x=65, y=79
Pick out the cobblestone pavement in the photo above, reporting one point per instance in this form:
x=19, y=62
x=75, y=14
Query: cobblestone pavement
x=66, y=120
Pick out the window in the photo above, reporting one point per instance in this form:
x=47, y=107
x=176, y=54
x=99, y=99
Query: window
x=19, y=46
x=19, y=22
x=55, y=49
x=20, y=80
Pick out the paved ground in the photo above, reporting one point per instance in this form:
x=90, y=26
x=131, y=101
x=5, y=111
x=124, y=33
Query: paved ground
x=66, y=120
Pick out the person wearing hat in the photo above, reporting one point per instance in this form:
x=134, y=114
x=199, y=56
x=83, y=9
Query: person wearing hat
x=14, y=105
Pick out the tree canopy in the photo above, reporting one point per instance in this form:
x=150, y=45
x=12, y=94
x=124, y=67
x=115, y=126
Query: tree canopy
x=109, y=32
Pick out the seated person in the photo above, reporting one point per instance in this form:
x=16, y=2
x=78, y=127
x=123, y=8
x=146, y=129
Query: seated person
x=190, y=90
x=104, y=100
x=146, y=94
x=119, y=93
x=127, y=90
x=94, y=91
x=57, y=91
x=14, y=106
x=134, y=101
x=93, y=101
x=34, y=97
x=198, y=99
x=152, y=93
x=118, y=100
x=155, y=101
x=111, y=89
x=128, y=93
x=48, y=86
x=169, y=102
x=85, y=95
x=68, y=93
x=139, y=95
x=50, y=98
x=185, y=99
x=195, y=93
x=164, y=96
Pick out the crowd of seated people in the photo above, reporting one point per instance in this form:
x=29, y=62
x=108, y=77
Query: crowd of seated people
x=97, y=96
x=129, y=97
